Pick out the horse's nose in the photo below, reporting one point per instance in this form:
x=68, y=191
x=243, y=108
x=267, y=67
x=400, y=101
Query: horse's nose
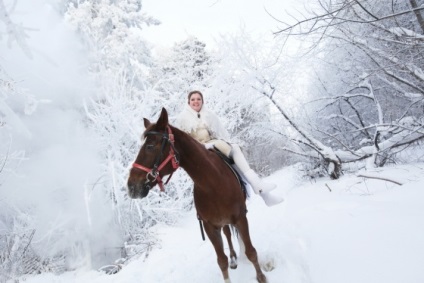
x=131, y=190
x=132, y=187
x=137, y=190
x=130, y=184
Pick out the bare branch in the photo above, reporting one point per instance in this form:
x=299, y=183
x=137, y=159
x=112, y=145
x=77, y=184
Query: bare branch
x=329, y=15
x=417, y=14
x=368, y=12
x=379, y=178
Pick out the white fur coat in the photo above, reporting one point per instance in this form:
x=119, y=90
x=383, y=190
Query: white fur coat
x=190, y=121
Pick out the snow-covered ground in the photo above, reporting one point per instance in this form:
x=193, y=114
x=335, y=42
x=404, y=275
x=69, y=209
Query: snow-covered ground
x=355, y=229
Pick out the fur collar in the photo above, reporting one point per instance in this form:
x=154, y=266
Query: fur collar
x=189, y=120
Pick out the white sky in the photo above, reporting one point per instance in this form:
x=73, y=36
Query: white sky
x=208, y=19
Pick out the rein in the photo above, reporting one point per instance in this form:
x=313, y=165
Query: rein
x=154, y=172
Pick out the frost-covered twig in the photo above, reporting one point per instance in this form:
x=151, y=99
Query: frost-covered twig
x=4, y=161
x=417, y=14
x=16, y=32
x=319, y=22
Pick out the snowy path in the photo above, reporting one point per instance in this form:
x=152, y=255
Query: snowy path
x=365, y=231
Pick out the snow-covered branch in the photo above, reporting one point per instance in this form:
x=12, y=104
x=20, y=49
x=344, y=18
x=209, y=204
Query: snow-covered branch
x=331, y=17
x=15, y=32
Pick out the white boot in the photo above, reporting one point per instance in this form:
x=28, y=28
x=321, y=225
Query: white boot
x=258, y=185
x=271, y=199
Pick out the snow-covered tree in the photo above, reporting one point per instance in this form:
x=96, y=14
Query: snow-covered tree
x=120, y=63
x=111, y=30
x=368, y=82
x=187, y=66
x=248, y=67
x=31, y=143
x=15, y=231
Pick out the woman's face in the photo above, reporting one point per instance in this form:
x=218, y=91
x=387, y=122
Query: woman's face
x=196, y=102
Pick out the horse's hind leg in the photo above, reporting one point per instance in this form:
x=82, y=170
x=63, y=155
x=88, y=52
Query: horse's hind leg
x=214, y=235
x=243, y=228
x=233, y=255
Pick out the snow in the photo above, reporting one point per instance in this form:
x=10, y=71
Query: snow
x=413, y=95
x=399, y=31
x=326, y=231
x=349, y=230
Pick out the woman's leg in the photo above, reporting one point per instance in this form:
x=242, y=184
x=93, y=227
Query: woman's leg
x=258, y=185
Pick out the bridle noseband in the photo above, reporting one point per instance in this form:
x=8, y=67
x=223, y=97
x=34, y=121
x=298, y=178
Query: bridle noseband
x=154, y=173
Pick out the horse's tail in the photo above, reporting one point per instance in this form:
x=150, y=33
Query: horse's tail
x=242, y=247
x=234, y=231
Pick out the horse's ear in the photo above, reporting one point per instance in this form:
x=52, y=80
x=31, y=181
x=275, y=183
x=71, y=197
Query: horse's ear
x=146, y=123
x=163, y=119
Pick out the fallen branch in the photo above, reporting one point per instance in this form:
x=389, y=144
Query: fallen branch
x=328, y=187
x=380, y=178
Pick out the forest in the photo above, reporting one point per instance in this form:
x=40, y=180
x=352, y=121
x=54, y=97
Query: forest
x=340, y=88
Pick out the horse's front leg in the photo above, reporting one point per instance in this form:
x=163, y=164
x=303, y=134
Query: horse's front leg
x=233, y=255
x=214, y=235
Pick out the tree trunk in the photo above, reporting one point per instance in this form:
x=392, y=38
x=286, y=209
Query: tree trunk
x=417, y=14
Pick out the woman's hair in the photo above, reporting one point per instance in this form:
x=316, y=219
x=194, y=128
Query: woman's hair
x=193, y=92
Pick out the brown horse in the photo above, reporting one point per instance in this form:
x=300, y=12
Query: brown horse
x=218, y=198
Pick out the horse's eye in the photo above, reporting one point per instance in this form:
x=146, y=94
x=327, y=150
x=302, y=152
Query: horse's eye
x=150, y=147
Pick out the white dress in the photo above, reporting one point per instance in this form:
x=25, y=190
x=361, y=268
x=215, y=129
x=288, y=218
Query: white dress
x=205, y=127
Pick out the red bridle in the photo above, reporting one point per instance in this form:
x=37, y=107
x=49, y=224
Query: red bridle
x=172, y=156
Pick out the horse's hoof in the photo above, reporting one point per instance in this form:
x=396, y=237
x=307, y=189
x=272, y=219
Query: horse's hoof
x=268, y=266
x=233, y=263
x=261, y=278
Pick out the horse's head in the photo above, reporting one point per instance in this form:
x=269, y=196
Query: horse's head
x=156, y=158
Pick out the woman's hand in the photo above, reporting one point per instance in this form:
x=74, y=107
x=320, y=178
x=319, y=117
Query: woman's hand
x=208, y=145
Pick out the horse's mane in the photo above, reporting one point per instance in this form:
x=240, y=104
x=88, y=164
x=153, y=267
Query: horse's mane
x=152, y=127
x=185, y=134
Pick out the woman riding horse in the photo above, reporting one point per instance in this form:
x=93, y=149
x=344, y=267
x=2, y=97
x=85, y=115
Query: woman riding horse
x=204, y=126
x=218, y=197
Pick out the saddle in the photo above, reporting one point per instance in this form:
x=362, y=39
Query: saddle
x=230, y=163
